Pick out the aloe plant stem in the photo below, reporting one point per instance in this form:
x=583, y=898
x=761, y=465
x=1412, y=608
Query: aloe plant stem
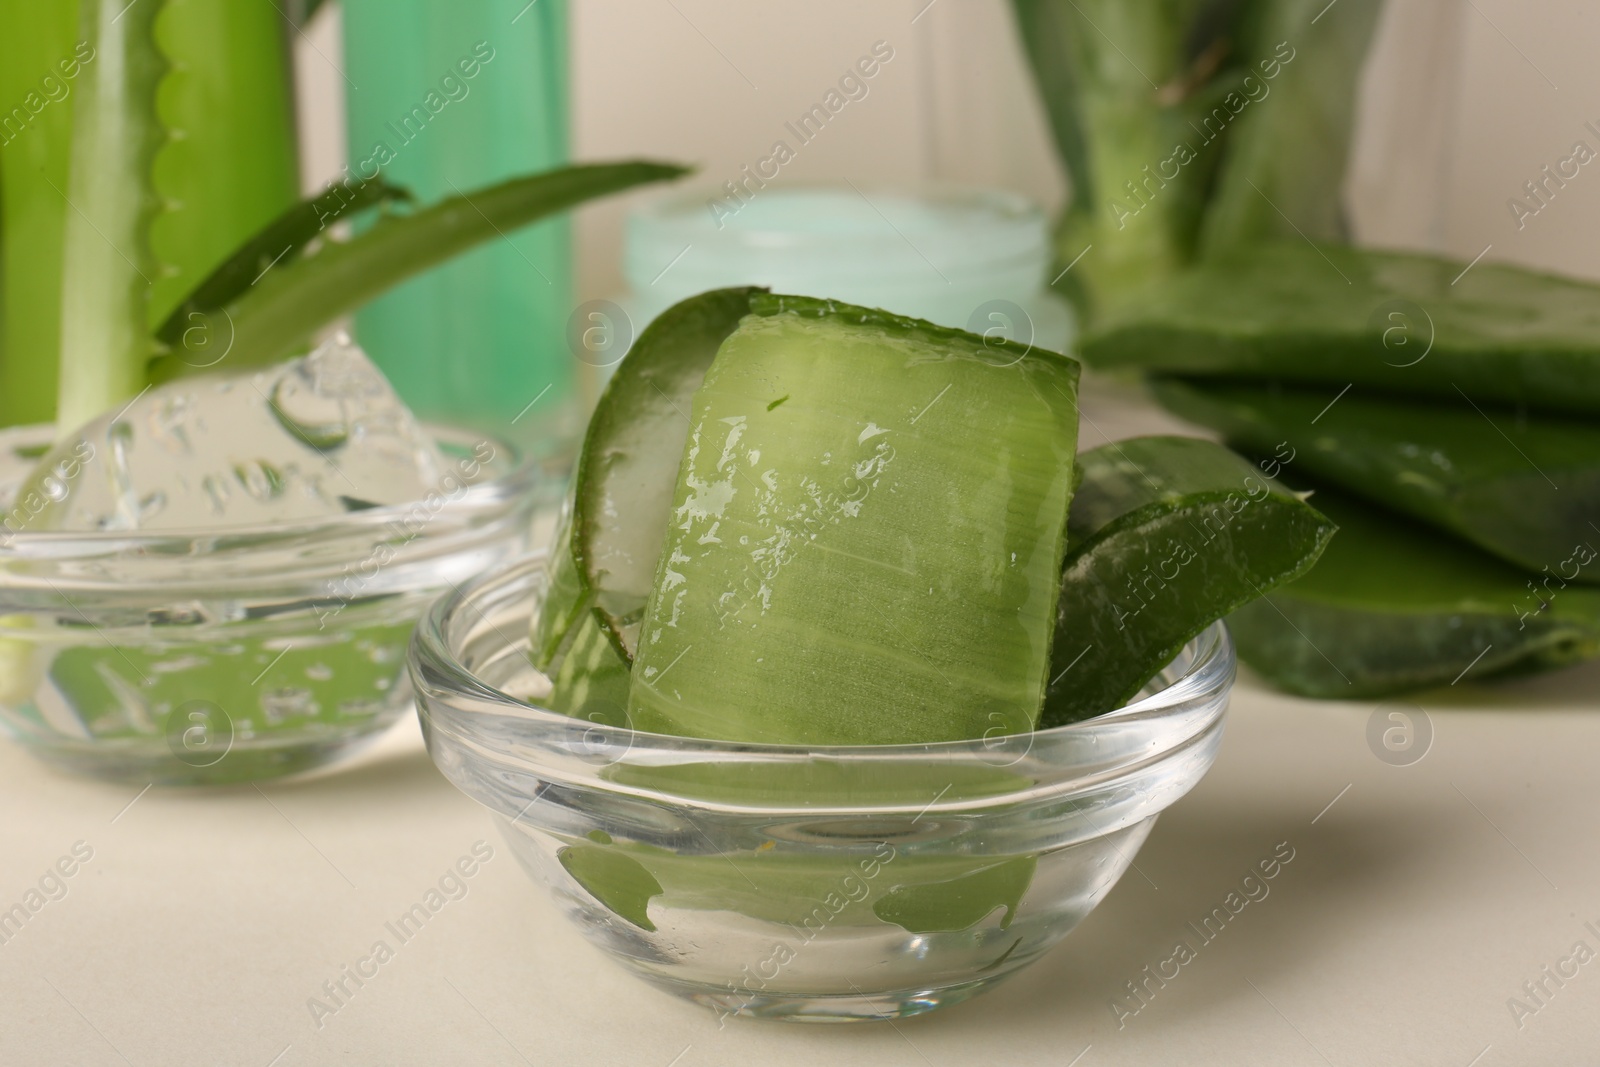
x=228, y=165
x=107, y=266
x=40, y=71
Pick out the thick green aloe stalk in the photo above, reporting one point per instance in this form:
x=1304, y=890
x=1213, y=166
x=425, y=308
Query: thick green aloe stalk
x=1121, y=83
x=229, y=164
x=1174, y=117
x=1284, y=163
x=42, y=63
x=107, y=264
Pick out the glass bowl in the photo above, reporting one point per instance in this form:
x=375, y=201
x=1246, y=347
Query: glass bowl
x=805, y=883
x=242, y=653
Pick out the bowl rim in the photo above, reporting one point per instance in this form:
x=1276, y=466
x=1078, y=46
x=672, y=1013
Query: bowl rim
x=213, y=545
x=1211, y=673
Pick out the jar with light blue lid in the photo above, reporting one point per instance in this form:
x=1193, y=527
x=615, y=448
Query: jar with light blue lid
x=976, y=259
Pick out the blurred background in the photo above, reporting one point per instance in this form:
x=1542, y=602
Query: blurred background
x=1462, y=102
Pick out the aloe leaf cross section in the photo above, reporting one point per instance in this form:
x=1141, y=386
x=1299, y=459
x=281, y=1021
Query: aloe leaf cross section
x=866, y=535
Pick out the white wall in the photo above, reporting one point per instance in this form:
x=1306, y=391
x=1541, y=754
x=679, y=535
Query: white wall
x=1464, y=101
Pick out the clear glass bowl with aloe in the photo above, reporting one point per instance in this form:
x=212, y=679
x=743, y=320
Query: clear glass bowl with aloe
x=848, y=685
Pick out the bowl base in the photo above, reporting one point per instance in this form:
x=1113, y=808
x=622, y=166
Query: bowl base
x=854, y=1007
x=153, y=763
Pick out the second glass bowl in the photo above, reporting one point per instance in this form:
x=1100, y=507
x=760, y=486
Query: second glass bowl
x=240, y=653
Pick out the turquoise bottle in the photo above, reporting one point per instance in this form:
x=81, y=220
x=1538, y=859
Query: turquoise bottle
x=445, y=98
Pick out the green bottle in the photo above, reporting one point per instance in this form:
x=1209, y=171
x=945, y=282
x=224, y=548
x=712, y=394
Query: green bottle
x=447, y=98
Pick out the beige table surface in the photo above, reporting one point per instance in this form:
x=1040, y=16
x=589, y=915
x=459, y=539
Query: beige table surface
x=1419, y=900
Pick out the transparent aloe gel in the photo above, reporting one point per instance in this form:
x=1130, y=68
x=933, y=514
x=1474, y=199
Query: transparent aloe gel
x=218, y=581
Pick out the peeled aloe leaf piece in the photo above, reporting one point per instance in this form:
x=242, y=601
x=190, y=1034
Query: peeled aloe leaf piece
x=1166, y=535
x=592, y=683
x=628, y=471
x=1332, y=315
x=606, y=553
x=1394, y=606
x=866, y=535
x=1524, y=487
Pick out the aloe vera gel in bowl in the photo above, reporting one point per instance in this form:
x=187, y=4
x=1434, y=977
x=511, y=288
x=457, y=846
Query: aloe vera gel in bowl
x=216, y=581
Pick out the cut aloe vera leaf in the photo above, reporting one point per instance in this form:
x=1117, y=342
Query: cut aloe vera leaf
x=628, y=473
x=1332, y=315
x=1166, y=535
x=592, y=683
x=866, y=535
x=1393, y=606
x=566, y=600
x=1525, y=488
x=606, y=554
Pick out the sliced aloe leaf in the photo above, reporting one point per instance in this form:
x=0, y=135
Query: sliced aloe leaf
x=607, y=550
x=918, y=893
x=280, y=311
x=592, y=683
x=1526, y=488
x=870, y=514
x=566, y=600
x=279, y=241
x=1331, y=315
x=612, y=877
x=628, y=473
x=959, y=902
x=1166, y=535
x=1393, y=606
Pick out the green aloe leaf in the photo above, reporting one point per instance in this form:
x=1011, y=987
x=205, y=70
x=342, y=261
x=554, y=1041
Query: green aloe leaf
x=1122, y=83
x=275, y=243
x=42, y=61
x=1401, y=323
x=1283, y=167
x=1166, y=535
x=107, y=265
x=627, y=474
x=289, y=303
x=229, y=164
x=1393, y=606
x=1525, y=487
x=870, y=514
